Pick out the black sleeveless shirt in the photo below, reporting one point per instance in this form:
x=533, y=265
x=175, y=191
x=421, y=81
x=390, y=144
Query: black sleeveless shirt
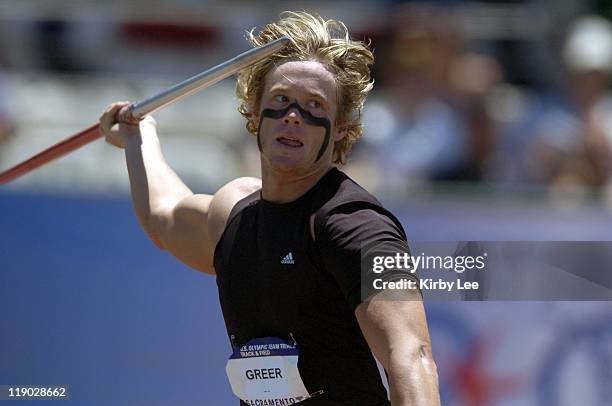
x=292, y=271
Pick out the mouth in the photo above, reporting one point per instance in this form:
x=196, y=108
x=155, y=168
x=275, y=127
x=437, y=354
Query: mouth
x=289, y=142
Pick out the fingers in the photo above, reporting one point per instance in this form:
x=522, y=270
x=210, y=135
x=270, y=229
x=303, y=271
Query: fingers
x=114, y=135
x=125, y=115
x=119, y=113
x=109, y=116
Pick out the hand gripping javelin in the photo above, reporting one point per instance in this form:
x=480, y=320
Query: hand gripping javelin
x=136, y=111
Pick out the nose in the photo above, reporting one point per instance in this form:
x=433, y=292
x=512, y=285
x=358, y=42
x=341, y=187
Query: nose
x=293, y=117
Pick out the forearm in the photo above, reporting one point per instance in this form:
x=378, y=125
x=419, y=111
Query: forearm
x=155, y=187
x=413, y=379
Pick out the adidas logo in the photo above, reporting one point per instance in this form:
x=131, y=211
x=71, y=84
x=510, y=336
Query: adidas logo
x=288, y=260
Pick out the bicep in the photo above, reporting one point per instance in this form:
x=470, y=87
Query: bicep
x=392, y=324
x=396, y=331
x=184, y=232
x=191, y=229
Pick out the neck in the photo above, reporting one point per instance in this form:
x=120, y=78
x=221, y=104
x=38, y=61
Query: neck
x=279, y=187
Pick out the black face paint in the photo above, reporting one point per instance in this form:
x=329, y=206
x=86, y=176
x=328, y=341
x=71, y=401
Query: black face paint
x=308, y=118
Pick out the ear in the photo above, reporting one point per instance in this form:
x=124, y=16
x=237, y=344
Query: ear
x=340, y=132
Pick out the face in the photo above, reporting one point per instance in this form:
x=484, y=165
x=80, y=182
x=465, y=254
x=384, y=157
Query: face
x=297, y=117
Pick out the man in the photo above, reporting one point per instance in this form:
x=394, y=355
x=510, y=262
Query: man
x=286, y=248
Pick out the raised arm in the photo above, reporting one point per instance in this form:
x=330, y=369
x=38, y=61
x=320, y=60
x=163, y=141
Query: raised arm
x=187, y=225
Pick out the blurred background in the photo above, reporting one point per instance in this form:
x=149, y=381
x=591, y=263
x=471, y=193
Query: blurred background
x=488, y=121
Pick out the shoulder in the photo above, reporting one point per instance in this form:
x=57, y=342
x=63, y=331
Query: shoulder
x=346, y=190
x=224, y=201
x=359, y=226
x=352, y=209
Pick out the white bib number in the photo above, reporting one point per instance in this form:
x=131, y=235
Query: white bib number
x=264, y=372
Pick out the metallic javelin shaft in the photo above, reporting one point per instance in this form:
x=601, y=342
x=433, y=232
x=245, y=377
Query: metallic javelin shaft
x=207, y=78
x=134, y=112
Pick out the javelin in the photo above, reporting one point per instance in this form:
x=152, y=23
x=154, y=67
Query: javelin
x=136, y=111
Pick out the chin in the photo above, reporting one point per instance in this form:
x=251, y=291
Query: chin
x=287, y=164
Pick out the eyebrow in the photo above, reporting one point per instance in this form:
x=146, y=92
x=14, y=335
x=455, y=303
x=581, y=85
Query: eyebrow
x=311, y=93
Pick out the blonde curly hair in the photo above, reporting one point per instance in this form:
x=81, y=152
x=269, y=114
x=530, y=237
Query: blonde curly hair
x=313, y=38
